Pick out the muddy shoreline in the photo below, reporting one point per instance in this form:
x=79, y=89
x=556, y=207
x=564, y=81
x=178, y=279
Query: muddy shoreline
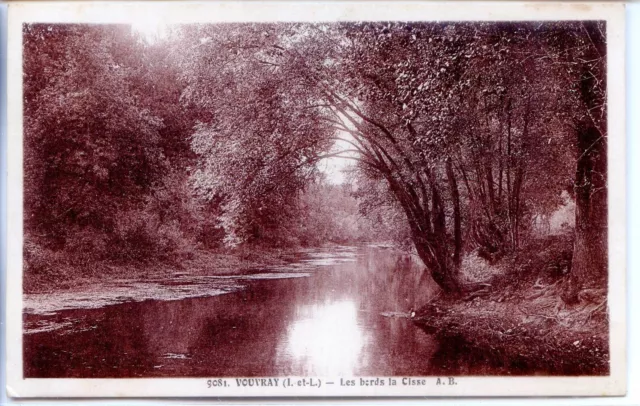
x=473, y=342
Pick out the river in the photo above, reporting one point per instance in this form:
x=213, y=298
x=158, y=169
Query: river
x=343, y=311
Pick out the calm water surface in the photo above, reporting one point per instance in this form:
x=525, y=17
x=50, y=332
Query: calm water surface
x=317, y=316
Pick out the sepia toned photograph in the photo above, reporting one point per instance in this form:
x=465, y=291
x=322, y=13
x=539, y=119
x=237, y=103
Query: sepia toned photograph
x=333, y=205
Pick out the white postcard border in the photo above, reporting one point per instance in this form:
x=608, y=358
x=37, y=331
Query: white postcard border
x=79, y=12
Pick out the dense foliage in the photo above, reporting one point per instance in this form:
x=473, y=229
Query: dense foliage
x=462, y=135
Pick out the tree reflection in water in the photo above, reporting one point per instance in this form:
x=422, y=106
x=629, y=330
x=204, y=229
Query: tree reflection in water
x=345, y=319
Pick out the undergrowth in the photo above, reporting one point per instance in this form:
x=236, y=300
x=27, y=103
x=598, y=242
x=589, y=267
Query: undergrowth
x=519, y=321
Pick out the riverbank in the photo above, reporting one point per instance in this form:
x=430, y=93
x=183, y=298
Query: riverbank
x=44, y=310
x=63, y=275
x=520, y=323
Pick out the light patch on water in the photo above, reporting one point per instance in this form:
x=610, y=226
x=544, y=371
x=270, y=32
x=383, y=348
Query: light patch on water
x=278, y=275
x=275, y=275
x=320, y=259
x=317, y=259
x=171, y=355
x=67, y=325
x=404, y=315
x=95, y=297
x=326, y=261
x=43, y=326
x=325, y=339
x=381, y=245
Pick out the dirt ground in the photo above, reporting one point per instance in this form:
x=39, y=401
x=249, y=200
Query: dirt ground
x=520, y=322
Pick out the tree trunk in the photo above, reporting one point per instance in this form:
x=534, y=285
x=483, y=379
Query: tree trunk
x=515, y=207
x=431, y=244
x=488, y=171
x=589, y=263
x=457, y=219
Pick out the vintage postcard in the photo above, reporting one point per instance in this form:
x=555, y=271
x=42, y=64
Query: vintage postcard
x=316, y=199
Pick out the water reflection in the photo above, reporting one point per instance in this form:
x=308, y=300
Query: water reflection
x=341, y=320
x=325, y=339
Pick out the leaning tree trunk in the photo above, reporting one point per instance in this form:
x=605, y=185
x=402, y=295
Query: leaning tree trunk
x=429, y=235
x=441, y=269
x=445, y=270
